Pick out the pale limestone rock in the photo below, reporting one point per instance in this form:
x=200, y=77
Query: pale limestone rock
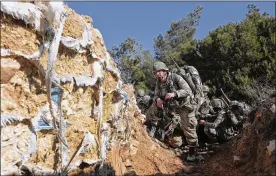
x=8, y=68
x=133, y=150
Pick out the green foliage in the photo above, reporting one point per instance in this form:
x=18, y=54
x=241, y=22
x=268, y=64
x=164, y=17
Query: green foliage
x=177, y=39
x=134, y=63
x=233, y=56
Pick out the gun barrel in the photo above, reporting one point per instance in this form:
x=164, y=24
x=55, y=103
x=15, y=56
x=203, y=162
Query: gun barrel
x=225, y=97
x=225, y=101
x=175, y=63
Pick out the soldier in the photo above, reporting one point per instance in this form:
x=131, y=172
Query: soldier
x=240, y=109
x=172, y=90
x=140, y=93
x=205, y=109
x=222, y=127
x=146, y=103
x=140, y=100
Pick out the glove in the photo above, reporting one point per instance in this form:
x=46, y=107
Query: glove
x=182, y=71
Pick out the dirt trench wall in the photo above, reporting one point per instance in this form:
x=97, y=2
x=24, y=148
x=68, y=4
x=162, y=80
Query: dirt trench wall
x=253, y=151
x=85, y=74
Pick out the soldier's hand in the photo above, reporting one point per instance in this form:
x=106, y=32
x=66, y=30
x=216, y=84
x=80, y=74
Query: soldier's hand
x=169, y=96
x=201, y=122
x=198, y=114
x=159, y=103
x=182, y=71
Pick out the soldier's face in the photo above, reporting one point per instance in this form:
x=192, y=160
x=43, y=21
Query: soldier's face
x=161, y=74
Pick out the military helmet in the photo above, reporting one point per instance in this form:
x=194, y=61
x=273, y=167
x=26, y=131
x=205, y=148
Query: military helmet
x=217, y=103
x=205, y=88
x=146, y=99
x=159, y=66
x=243, y=108
x=140, y=92
x=174, y=70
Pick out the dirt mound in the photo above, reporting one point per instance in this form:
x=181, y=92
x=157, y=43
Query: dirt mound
x=145, y=155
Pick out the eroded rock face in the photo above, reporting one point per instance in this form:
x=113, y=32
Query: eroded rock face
x=94, y=102
x=87, y=88
x=8, y=69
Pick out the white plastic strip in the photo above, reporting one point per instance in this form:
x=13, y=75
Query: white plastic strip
x=67, y=79
x=79, y=45
x=85, y=81
x=58, y=14
x=27, y=12
x=104, y=141
x=87, y=141
x=100, y=113
x=115, y=71
x=35, y=56
x=7, y=119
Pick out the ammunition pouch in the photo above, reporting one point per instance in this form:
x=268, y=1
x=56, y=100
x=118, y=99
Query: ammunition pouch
x=185, y=102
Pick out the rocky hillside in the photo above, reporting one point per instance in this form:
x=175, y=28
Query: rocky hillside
x=64, y=108
x=63, y=105
x=52, y=56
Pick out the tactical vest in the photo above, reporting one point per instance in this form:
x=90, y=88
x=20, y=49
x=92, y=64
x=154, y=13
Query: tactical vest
x=170, y=87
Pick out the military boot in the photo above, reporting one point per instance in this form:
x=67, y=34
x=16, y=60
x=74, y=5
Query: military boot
x=191, y=154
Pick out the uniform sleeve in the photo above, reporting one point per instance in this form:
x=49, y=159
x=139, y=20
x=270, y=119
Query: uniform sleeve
x=184, y=89
x=233, y=117
x=218, y=120
x=156, y=91
x=234, y=103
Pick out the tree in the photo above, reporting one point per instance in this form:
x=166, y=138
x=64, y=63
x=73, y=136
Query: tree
x=134, y=63
x=233, y=56
x=177, y=39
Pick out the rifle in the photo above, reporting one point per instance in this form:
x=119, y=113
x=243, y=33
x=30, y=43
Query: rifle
x=225, y=99
x=163, y=124
x=177, y=66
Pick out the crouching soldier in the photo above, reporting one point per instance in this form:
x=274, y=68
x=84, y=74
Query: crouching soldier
x=171, y=87
x=240, y=109
x=221, y=129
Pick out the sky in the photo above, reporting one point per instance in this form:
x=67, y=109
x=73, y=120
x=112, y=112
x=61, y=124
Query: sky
x=143, y=21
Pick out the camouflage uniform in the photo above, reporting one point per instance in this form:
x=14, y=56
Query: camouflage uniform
x=205, y=108
x=141, y=97
x=184, y=110
x=240, y=109
x=144, y=103
x=222, y=128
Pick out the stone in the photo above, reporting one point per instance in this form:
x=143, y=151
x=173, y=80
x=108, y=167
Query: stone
x=135, y=143
x=236, y=158
x=133, y=150
x=128, y=163
x=271, y=147
x=8, y=69
x=272, y=108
